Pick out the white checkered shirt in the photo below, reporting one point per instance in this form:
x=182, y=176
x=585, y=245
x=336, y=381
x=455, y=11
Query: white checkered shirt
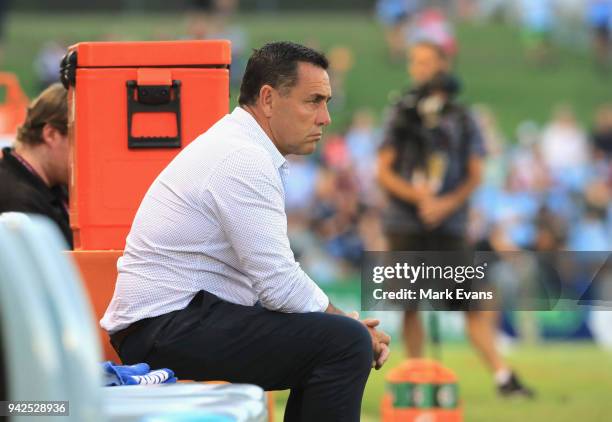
x=213, y=220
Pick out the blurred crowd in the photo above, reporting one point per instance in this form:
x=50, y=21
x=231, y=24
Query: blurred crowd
x=549, y=189
x=546, y=189
x=204, y=20
x=542, y=23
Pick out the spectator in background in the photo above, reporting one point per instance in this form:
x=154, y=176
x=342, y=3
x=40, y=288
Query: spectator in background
x=211, y=19
x=309, y=201
x=362, y=141
x=225, y=29
x=602, y=132
x=34, y=175
x=565, y=148
x=538, y=20
x=335, y=153
x=495, y=168
x=590, y=233
x=341, y=61
x=467, y=10
x=550, y=231
x=396, y=15
x=331, y=231
x=301, y=186
x=47, y=63
x=599, y=18
x=430, y=162
x=527, y=159
x=337, y=208
x=494, y=10
x=507, y=202
x=494, y=145
x=515, y=209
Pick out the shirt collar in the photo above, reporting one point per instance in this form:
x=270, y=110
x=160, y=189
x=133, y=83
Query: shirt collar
x=247, y=121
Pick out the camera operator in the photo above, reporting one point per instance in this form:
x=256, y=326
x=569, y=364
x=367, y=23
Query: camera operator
x=430, y=162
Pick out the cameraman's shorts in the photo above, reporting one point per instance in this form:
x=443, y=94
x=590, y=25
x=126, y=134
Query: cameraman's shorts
x=438, y=242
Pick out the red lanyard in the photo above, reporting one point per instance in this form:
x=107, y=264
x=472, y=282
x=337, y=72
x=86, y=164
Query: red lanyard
x=34, y=172
x=26, y=165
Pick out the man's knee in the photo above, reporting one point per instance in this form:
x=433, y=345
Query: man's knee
x=352, y=339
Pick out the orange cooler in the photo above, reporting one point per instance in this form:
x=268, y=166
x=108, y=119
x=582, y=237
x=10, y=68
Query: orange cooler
x=132, y=107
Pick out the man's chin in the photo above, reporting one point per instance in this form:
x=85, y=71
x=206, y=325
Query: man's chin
x=309, y=148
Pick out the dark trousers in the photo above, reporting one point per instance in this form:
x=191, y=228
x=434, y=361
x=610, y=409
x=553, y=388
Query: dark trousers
x=324, y=359
x=435, y=241
x=432, y=241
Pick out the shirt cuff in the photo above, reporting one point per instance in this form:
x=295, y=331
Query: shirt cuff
x=320, y=301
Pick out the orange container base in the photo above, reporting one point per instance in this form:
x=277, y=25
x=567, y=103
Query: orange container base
x=418, y=373
x=391, y=414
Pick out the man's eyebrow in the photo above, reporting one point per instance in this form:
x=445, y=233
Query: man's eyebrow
x=320, y=97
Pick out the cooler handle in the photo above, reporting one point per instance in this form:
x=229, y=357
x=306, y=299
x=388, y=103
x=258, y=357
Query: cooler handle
x=154, y=99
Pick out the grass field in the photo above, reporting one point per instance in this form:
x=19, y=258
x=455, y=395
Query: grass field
x=490, y=62
x=573, y=383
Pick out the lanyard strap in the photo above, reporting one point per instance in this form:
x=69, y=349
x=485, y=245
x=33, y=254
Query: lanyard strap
x=33, y=171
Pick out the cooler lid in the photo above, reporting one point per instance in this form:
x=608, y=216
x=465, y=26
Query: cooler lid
x=153, y=53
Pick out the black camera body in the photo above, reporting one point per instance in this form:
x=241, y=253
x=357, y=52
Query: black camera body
x=421, y=105
x=443, y=82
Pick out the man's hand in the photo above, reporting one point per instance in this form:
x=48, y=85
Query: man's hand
x=435, y=209
x=422, y=193
x=396, y=185
x=380, y=340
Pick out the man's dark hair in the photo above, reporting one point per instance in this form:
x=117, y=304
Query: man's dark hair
x=276, y=64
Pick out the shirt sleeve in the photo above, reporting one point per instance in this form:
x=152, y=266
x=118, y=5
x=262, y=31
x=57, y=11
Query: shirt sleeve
x=391, y=126
x=248, y=196
x=476, y=145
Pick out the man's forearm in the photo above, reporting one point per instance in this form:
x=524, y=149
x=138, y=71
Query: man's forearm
x=392, y=182
x=398, y=187
x=459, y=196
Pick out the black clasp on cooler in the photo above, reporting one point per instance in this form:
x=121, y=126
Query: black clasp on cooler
x=154, y=94
x=154, y=99
x=68, y=69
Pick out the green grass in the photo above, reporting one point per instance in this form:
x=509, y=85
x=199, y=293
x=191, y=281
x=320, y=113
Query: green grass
x=491, y=60
x=573, y=383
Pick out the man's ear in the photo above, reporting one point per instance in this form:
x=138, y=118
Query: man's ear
x=266, y=99
x=50, y=135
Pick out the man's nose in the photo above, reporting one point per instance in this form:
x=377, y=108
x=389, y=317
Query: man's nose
x=323, y=117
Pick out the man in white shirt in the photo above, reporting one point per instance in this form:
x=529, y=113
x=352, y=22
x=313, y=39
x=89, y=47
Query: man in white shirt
x=208, y=284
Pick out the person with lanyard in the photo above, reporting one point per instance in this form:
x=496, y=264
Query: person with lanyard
x=208, y=284
x=429, y=164
x=34, y=173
